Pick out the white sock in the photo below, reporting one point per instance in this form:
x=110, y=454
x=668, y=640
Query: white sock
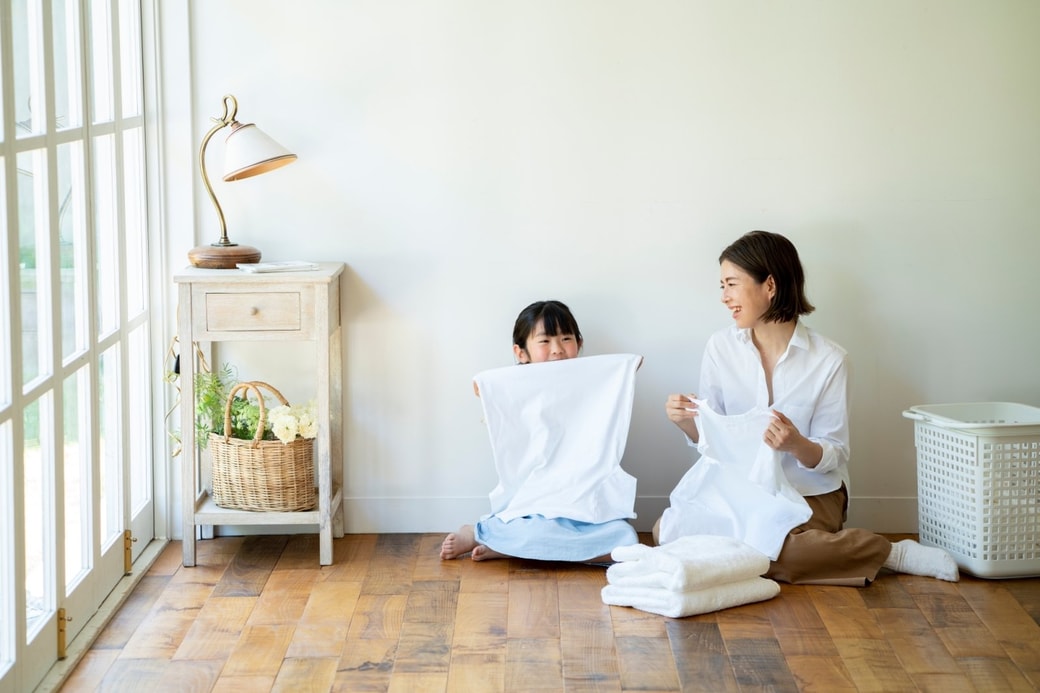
x=910, y=557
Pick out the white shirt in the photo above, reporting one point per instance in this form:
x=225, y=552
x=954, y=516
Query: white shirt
x=810, y=387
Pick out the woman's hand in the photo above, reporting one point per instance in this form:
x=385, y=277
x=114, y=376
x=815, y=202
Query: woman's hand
x=784, y=436
x=681, y=411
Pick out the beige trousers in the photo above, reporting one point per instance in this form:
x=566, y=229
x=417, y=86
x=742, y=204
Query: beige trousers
x=821, y=552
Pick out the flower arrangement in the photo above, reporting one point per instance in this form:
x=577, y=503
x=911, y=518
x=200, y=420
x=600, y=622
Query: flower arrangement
x=283, y=422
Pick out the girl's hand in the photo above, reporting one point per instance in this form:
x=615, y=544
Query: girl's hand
x=680, y=408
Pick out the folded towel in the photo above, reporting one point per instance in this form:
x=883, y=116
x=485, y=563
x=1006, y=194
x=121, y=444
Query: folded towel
x=690, y=562
x=680, y=604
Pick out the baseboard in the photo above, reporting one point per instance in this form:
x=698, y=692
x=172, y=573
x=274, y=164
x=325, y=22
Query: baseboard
x=395, y=515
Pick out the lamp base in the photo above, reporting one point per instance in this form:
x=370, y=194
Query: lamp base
x=217, y=256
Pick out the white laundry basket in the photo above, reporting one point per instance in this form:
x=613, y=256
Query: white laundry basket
x=978, y=485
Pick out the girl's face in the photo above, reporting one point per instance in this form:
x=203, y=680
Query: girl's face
x=746, y=299
x=542, y=347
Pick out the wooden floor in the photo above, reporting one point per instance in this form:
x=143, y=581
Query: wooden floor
x=259, y=614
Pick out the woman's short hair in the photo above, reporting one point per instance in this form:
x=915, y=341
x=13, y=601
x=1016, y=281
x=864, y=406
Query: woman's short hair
x=763, y=254
x=555, y=316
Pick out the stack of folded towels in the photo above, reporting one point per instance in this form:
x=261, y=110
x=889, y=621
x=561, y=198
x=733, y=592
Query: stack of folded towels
x=691, y=575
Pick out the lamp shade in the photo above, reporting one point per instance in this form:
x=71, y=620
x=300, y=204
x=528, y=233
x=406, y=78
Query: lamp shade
x=248, y=151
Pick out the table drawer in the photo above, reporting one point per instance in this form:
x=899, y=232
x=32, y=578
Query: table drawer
x=254, y=312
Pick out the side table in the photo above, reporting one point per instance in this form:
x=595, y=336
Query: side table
x=232, y=305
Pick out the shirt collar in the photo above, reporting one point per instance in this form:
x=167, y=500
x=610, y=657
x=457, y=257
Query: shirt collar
x=799, y=339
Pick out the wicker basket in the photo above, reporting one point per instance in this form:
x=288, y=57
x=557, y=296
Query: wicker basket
x=265, y=475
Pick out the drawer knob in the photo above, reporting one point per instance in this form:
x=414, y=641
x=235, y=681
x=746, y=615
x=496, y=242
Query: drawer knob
x=254, y=310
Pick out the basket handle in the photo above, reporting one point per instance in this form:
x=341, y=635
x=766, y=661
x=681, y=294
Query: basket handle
x=911, y=414
x=254, y=386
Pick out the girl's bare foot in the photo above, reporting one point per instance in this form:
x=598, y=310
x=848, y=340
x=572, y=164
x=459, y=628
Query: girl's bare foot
x=458, y=544
x=483, y=553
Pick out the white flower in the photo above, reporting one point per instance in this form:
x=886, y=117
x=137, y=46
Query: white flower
x=287, y=422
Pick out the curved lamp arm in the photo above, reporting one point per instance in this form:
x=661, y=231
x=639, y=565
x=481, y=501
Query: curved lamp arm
x=230, y=111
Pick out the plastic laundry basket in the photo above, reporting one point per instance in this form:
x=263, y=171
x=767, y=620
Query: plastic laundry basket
x=978, y=485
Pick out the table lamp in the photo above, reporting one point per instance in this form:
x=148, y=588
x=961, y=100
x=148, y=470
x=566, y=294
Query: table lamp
x=247, y=152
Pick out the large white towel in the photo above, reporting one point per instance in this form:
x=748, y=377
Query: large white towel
x=688, y=563
x=737, y=489
x=680, y=604
x=558, y=431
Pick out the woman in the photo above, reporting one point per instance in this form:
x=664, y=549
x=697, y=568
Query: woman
x=770, y=359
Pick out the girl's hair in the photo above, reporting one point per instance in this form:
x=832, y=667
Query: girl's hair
x=763, y=254
x=555, y=316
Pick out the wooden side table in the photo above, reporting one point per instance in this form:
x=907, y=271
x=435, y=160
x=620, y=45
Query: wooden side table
x=232, y=305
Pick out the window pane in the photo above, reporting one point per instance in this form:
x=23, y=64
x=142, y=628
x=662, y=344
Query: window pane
x=68, y=101
x=6, y=547
x=5, y=299
x=29, y=103
x=106, y=234
x=140, y=394
x=38, y=458
x=110, y=449
x=33, y=264
x=72, y=234
x=77, y=506
x=130, y=57
x=101, y=60
x=134, y=221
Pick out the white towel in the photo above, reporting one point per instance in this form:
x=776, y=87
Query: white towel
x=680, y=604
x=558, y=432
x=690, y=562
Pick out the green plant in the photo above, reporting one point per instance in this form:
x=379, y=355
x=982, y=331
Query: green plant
x=211, y=396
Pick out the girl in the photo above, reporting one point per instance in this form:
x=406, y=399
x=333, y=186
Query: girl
x=544, y=331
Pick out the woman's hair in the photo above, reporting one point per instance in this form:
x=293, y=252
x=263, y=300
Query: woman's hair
x=556, y=317
x=763, y=254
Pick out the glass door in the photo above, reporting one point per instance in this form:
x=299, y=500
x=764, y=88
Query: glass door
x=75, y=386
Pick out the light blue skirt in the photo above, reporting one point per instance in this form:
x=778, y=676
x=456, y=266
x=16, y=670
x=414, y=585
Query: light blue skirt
x=556, y=539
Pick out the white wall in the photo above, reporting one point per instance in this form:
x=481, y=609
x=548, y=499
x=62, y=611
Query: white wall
x=465, y=158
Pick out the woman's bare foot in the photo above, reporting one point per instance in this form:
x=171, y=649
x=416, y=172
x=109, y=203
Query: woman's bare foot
x=458, y=543
x=483, y=553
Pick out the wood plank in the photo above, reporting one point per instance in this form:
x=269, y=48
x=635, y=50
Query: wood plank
x=918, y=647
x=378, y=616
x=331, y=602
x=760, y=663
x=366, y=665
x=646, y=664
x=305, y=674
x=533, y=664
x=259, y=651
x=252, y=564
x=284, y=598
x=324, y=639
x=700, y=655
x=91, y=669
x=798, y=626
x=821, y=674
x=132, y=613
x=477, y=667
x=480, y=619
x=533, y=607
x=873, y=665
x=483, y=576
x=844, y=613
x=432, y=601
x=993, y=674
x=216, y=629
x=423, y=648
x=188, y=675
x=587, y=651
x=351, y=558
